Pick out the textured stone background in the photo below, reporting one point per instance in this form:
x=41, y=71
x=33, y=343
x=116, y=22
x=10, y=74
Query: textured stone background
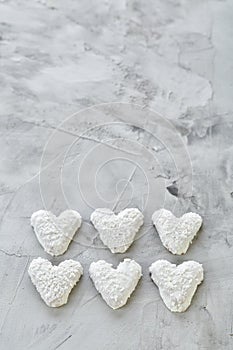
x=59, y=58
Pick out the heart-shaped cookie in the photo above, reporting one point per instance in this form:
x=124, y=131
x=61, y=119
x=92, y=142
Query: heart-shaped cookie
x=55, y=233
x=117, y=232
x=177, y=284
x=54, y=283
x=115, y=285
x=175, y=233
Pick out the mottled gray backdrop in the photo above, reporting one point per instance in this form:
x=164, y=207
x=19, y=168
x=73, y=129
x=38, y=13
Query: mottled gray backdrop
x=116, y=104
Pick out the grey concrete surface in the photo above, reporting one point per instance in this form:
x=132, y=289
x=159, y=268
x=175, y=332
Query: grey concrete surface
x=116, y=104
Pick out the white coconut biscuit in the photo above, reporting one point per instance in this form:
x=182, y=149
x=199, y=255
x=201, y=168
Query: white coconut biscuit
x=175, y=233
x=177, y=284
x=54, y=283
x=55, y=233
x=115, y=285
x=117, y=232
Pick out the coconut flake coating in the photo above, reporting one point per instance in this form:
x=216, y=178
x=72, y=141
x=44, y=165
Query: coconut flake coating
x=175, y=233
x=115, y=285
x=117, y=232
x=54, y=283
x=55, y=233
x=177, y=284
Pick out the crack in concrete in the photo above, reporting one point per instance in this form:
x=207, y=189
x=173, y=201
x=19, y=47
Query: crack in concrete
x=124, y=189
x=90, y=299
x=60, y=344
x=14, y=295
x=71, y=133
x=16, y=254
